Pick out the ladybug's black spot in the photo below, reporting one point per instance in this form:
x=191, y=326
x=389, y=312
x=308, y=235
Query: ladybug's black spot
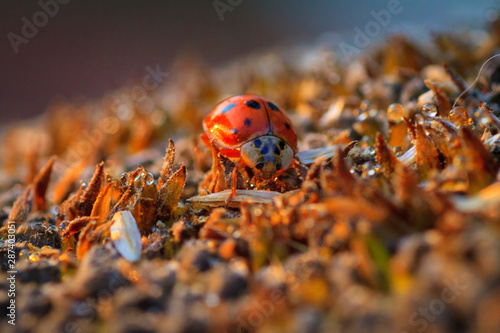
x=259, y=165
x=228, y=108
x=234, y=130
x=265, y=150
x=287, y=125
x=273, y=106
x=257, y=143
x=248, y=122
x=282, y=144
x=278, y=166
x=253, y=104
x=276, y=151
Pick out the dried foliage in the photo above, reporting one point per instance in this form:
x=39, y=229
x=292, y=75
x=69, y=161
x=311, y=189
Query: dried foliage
x=393, y=198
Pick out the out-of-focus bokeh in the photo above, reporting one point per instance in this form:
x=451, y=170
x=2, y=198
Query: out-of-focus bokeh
x=84, y=49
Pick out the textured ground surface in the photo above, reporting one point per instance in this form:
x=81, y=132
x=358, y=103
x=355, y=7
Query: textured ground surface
x=396, y=232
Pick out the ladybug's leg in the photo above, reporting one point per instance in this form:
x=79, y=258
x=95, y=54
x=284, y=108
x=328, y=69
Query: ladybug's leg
x=206, y=140
x=204, y=187
x=280, y=184
x=218, y=180
x=299, y=168
x=246, y=177
x=234, y=181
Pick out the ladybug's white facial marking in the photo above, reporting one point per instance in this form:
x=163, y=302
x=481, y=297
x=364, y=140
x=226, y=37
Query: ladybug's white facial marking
x=268, y=155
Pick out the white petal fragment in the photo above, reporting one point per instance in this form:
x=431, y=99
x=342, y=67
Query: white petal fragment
x=487, y=201
x=409, y=157
x=310, y=155
x=126, y=236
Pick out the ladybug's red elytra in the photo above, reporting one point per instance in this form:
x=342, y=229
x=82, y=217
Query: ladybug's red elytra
x=254, y=131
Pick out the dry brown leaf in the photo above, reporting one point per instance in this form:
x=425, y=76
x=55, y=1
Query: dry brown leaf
x=102, y=205
x=68, y=210
x=444, y=142
x=415, y=205
x=479, y=164
x=444, y=105
x=426, y=153
x=170, y=193
x=77, y=224
x=145, y=215
x=127, y=201
x=346, y=180
x=168, y=164
x=84, y=240
x=92, y=192
x=385, y=157
x=411, y=128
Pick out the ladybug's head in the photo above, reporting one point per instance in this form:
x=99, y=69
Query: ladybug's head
x=268, y=155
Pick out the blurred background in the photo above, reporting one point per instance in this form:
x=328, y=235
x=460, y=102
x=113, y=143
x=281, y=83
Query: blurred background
x=87, y=48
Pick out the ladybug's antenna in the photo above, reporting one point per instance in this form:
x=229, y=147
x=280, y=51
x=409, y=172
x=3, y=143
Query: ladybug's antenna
x=477, y=78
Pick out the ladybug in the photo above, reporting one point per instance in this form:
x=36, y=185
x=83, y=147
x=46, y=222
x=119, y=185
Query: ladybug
x=254, y=131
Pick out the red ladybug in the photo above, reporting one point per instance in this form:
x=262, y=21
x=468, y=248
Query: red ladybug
x=253, y=130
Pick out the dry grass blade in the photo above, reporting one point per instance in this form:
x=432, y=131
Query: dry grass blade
x=145, y=214
x=127, y=201
x=415, y=205
x=84, y=240
x=90, y=195
x=219, y=199
x=444, y=105
x=21, y=207
x=345, y=152
x=442, y=141
x=426, y=152
x=77, y=224
x=411, y=128
x=170, y=193
x=40, y=185
x=345, y=179
x=385, y=157
x=168, y=164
